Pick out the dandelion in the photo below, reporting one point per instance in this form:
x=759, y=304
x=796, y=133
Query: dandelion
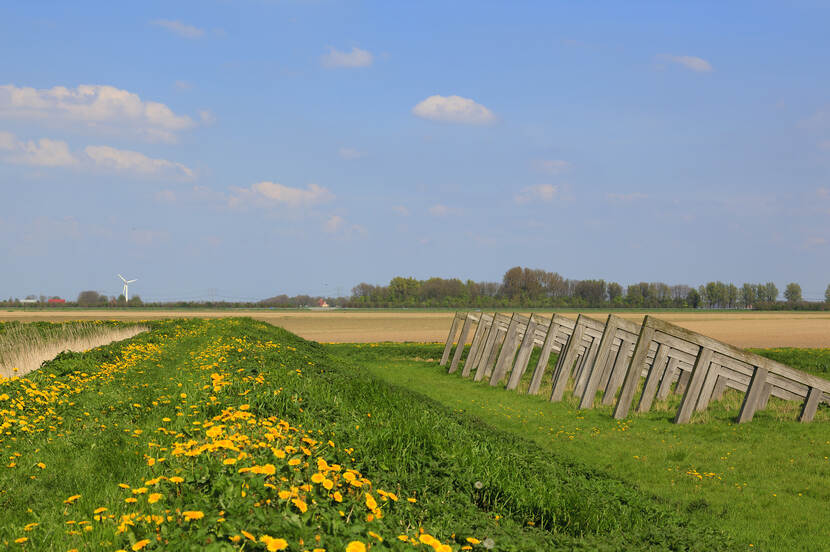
x=355, y=546
x=154, y=497
x=21, y=540
x=176, y=479
x=140, y=544
x=72, y=499
x=192, y=515
x=273, y=544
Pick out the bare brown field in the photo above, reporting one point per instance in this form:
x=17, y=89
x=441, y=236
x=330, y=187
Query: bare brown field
x=743, y=329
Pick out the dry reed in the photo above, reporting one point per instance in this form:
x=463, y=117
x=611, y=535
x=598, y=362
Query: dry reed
x=24, y=347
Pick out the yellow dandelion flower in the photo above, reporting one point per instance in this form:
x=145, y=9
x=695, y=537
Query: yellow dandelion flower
x=154, y=497
x=192, y=515
x=273, y=544
x=355, y=546
x=140, y=544
x=72, y=499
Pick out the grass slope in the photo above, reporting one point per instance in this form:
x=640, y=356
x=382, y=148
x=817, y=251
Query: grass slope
x=234, y=434
x=765, y=482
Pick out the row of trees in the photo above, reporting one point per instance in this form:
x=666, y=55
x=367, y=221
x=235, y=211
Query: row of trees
x=520, y=287
x=526, y=287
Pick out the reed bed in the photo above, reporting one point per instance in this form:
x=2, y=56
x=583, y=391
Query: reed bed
x=24, y=347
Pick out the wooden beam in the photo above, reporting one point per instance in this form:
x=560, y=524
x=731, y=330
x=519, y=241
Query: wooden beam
x=523, y=357
x=753, y=394
x=658, y=368
x=462, y=341
x=690, y=396
x=569, y=354
x=544, y=357
x=632, y=374
x=450, y=340
x=808, y=409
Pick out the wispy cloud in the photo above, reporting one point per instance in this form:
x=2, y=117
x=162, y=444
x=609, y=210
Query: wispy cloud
x=633, y=196
x=692, y=63
x=441, y=210
x=134, y=162
x=273, y=193
x=401, y=210
x=355, y=58
x=94, y=107
x=551, y=166
x=350, y=153
x=182, y=29
x=336, y=224
x=542, y=192
x=44, y=152
x=453, y=109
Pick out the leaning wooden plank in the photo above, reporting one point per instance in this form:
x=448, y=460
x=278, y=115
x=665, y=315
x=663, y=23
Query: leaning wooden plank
x=603, y=354
x=668, y=379
x=508, y=350
x=478, y=340
x=523, y=357
x=487, y=350
x=569, y=354
x=462, y=342
x=450, y=339
x=808, y=409
x=690, y=396
x=634, y=371
x=615, y=380
x=708, y=388
x=544, y=357
x=753, y=394
x=658, y=367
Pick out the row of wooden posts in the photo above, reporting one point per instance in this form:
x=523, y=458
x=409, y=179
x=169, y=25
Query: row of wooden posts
x=615, y=355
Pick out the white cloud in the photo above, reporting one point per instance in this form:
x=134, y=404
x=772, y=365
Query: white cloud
x=133, y=161
x=334, y=223
x=625, y=197
x=274, y=193
x=183, y=85
x=542, y=192
x=95, y=107
x=41, y=153
x=453, y=109
x=350, y=153
x=823, y=193
x=401, y=210
x=179, y=28
x=440, y=210
x=693, y=63
x=355, y=58
x=551, y=166
x=207, y=117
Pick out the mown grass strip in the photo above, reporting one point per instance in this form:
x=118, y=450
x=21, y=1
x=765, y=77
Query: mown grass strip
x=765, y=482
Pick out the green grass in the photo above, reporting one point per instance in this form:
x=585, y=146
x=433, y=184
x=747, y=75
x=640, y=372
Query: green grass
x=766, y=483
x=198, y=400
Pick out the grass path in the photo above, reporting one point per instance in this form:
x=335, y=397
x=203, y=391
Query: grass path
x=765, y=482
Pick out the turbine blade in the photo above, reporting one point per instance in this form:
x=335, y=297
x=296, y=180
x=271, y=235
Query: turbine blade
x=131, y=281
x=122, y=278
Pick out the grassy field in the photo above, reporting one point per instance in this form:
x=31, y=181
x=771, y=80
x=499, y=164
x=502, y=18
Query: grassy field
x=765, y=483
x=740, y=328
x=235, y=434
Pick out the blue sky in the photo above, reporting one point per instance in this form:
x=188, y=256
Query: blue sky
x=256, y=148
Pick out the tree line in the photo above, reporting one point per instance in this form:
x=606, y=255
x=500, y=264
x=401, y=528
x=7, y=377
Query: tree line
x=519, y=287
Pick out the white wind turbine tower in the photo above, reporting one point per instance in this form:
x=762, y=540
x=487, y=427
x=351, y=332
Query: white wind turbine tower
x=127, y=287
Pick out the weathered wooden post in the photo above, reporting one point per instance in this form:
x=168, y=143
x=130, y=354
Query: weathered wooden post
x=450, y=339
x=544, y=356
x=699, y=371
x=508, y=349
x=462, y=342
x=484, y=322
x=635, y=368
x=523, y=357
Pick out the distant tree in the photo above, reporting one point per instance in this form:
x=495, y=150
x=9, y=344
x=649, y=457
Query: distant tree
x=770, y=292
x=748, y=295
x=693, y=298
x=615, y=290
x=591, y=291
x=135, y=301
x=827, y=294
x=793, y=293
x=91, y=299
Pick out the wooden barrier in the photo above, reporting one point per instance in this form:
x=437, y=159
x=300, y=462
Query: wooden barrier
x=715, y=366
x=617, y=355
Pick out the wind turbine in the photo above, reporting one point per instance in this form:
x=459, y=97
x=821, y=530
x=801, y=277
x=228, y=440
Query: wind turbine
x=127, y=287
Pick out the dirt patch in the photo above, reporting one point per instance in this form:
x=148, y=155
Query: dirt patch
x=743, y=329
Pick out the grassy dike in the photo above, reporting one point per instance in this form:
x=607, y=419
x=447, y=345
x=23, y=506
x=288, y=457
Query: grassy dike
x=766, y=483
x=234, y=434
